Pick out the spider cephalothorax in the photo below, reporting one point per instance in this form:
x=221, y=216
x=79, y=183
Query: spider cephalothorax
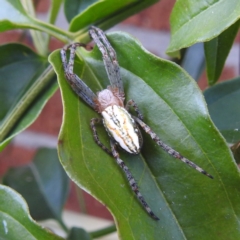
x=121, y=126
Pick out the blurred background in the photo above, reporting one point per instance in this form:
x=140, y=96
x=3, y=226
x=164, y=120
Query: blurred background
x=152, y=28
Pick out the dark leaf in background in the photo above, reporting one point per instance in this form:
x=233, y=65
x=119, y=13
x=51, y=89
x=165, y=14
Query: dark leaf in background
x=21, y=73
x=43, y=183
x=223, y=105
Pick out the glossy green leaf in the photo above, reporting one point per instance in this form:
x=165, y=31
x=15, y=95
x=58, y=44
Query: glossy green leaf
x=189, y=205
x=223, y=104
x=194, y=61
x=26, y=83
x=42, y=183
x=13, y=15
x=78, y=233
x=107, y=13
x=216, y=52
x=16, y=223
x=199, y=21
x=74, y=7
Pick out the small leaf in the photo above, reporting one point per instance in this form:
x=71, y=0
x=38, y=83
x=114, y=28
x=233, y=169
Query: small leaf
x=43, y=183
x=15, y=221
x=223, y=105
x=193, y=61
x=174, y=107
x=74, y=7
x=200, y=21
x=23, y=94
x=78, y=233
x=216, y=52
x=107, y=13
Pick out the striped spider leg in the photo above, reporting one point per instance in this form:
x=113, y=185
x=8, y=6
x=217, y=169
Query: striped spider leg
x=120, y=125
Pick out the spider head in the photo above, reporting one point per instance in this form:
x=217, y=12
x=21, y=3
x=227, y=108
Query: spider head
x=108, y=97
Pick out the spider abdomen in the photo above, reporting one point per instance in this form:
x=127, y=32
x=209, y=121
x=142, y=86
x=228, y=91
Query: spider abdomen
x=122, y=127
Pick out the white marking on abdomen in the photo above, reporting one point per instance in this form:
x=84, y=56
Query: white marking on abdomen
x=119, y=124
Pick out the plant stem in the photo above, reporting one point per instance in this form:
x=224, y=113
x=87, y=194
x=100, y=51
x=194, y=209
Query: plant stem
x=25, y=102
x=63, y=225
x=53, y=13
x=81, y=200
x=103, y=231
x=38, y=38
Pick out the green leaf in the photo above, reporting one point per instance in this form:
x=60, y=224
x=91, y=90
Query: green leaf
x=223, y=105
x=13, y=15
x=190, y=205
x=16, y=223
x=78, y=233
x=42, y=183
x=216, y=52
x=107, y=13
x=26, y=83
x=74, y=7
x=193, y=61
x=199, y=21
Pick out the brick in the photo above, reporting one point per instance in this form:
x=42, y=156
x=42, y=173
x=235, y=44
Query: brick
x=51, y=116
x=155, y=17
x=13, y=156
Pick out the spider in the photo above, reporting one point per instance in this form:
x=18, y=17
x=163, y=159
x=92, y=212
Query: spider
x=121, y=126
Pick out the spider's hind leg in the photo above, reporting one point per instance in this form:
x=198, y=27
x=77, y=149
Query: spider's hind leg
x=95, y=135
x=168, y=149
x=131, y=180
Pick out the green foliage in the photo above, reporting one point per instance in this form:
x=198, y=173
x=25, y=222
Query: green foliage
x=32, y=82
x=223, y=104
x=199, y=21
x=216, y=52
x=190, y=205
x=184, y=115
x=16, y=223
x=39, y=186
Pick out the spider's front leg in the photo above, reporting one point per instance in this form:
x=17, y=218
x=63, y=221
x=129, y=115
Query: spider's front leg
x=131, y=180
x=109, y=58
x=168, y=149
x=78, y=86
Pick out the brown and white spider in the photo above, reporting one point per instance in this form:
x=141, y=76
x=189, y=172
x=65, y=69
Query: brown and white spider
x=121, y=126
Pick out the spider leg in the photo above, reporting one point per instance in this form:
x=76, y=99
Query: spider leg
x=109, y=57
x=133, y=104
x=131, y=180
x=79, y=87
x=95, y=135
x=168, y=149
